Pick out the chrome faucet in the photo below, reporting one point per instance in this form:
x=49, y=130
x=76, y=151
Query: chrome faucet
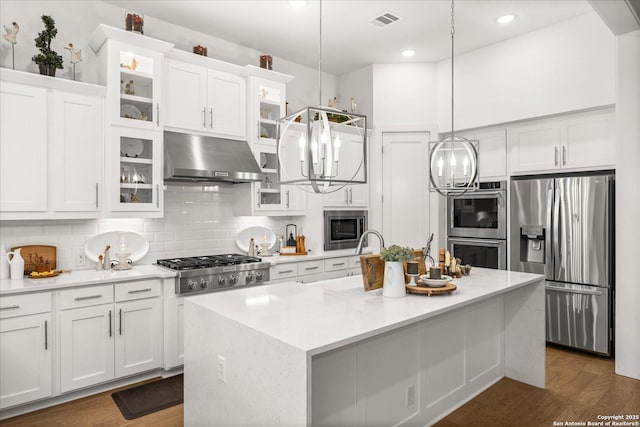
x=359, y=248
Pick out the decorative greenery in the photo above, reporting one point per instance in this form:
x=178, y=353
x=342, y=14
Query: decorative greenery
x=47, y=56
x=396, y=253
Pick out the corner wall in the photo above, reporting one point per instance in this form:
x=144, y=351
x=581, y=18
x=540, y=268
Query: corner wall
x=627, y=321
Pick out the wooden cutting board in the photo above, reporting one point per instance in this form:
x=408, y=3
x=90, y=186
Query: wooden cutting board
x=372, y=268
x=36, y=257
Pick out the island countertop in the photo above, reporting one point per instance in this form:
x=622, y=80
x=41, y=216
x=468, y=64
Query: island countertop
x=322, y=316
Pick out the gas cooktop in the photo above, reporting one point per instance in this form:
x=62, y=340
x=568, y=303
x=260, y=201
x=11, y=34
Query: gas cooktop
x=208, y=261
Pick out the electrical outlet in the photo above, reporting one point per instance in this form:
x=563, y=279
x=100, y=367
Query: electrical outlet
x=222, y=369
x=81, y=259
x=411, y=395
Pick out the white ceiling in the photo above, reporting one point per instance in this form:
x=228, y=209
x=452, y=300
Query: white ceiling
x=349, y=40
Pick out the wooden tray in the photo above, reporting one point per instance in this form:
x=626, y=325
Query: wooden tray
x=54, y=274
x=426, y=290
x=37, y=255
x=372, y=268
x=295, y=253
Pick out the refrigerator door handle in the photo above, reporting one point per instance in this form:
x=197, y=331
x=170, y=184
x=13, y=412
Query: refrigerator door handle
x=573, y=291
x=548, y=261
x=555, y=255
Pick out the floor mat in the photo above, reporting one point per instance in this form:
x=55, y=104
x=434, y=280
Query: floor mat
x=150, y=397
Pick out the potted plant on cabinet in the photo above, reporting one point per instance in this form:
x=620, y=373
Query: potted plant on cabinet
x=48, y=60
x=393, y=257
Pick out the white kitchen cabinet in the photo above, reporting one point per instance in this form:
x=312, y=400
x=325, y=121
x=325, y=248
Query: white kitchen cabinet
x=23, y=148
x=75, y=167
x=492, y=152
x=25, y=349
x=130, y=66
x=173, y=326
x=569, y=143
x=103, y=336
x=205, y=100
x=51, y=147
x=135, y=175
x=266, y=101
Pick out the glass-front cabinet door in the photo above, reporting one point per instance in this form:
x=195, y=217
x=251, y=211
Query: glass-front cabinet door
x=136, y=175
x=268, y=190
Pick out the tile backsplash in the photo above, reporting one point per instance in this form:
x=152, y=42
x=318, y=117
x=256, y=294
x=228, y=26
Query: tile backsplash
x=198, y=220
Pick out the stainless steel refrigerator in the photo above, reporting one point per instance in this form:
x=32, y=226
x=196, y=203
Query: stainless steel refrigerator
x=563, y=227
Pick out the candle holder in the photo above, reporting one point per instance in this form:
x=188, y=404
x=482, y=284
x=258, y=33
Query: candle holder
x=412, y=272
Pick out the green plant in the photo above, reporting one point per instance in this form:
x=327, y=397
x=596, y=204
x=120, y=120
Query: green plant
x=47, y=56
x=396, y=253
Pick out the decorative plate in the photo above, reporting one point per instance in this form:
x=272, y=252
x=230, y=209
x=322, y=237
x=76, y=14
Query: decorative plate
x=131, y=147
x=258, y=233
x=137, y=245
x=130, y=112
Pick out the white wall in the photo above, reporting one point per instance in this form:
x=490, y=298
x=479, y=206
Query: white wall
x=628, y=206
x=359, y=86
x=564, y=67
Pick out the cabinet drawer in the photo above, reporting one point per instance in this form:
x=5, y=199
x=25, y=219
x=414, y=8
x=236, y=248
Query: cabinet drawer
x=136, y=290
x=283, y=271
x=20, y=305
x=333, y=264
x=354, y=261
x=310, y=267
x=84, y=297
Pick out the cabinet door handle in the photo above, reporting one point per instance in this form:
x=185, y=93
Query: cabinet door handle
x=96, y=195
x=311, y=268
x=211, y=116
x=258, y=130
x=346, y=196
x=46, y=339
x=338, y=264
x=120, y=328
x=157, y=195
x=204, y=117
x=350, y=196
x=158, y=114
x=11, y=307
x=287, y=199
x=109, y=322
x=89, y=297
x=137, y=291
x=258, y=196
x=285, y=271
x=564, y=155
x=555, y=156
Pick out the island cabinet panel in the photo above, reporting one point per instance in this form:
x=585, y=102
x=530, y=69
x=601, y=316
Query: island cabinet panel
x=484, y=339
x=337, y=408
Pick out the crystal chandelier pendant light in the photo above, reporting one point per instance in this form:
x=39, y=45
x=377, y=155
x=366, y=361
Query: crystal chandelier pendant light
x=453, y=161
x=322, y=149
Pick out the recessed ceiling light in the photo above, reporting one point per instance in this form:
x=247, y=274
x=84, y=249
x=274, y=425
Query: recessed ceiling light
x=505, y=19
x=298, y=3
x=408, y=53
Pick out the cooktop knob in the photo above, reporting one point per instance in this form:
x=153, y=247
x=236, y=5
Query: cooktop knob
x=204, y=283
x=258, y=275
x=233, y=279
x=249, y=278
x=221, y=281
x=191, y=284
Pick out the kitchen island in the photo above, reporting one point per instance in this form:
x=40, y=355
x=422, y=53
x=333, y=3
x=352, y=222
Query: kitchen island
x=328, y=353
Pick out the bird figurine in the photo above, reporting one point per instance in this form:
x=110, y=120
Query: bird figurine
x=333, y=102
x=76, y=54
x=11, y=33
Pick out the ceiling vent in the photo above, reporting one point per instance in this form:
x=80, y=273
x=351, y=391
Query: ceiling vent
x=384, y=20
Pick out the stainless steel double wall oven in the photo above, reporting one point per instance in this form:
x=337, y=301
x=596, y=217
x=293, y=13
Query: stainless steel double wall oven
x=477, y=226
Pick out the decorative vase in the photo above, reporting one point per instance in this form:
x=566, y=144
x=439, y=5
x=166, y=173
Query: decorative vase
x=17, y=264
x=393, y=285
x=4, y=263
x=47, y=70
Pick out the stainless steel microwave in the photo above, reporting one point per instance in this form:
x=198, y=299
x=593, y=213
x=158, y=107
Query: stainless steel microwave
x=342, y=229
x=479, y=214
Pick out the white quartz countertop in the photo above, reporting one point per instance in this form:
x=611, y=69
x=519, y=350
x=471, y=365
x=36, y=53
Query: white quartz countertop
x=83, y=277
x=325, y=315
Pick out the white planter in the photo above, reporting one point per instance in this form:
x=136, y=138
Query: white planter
x=393, y=285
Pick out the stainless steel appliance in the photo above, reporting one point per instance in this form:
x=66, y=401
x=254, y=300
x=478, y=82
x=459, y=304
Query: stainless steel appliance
x=563, y=227
x=343, y=229
x=216, y=272
x=480, y=214
x=477, y=226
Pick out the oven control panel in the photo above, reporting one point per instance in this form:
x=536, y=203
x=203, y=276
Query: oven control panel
x=221, y=281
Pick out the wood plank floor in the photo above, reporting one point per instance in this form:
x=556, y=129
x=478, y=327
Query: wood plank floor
x=579, y=387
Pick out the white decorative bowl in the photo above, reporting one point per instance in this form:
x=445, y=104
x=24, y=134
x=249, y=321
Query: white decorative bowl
x=435, y=283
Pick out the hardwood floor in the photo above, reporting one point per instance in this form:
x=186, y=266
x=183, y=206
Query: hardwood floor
x=580, y=386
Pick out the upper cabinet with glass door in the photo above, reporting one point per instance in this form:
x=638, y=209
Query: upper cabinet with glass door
x=130, y=65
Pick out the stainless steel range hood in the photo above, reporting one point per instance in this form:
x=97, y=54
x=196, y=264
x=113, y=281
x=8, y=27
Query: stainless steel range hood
x=190, y=157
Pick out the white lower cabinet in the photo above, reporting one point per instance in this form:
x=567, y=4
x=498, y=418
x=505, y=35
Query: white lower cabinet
x=173, y=326
x=103, y=336
x=25, y=349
